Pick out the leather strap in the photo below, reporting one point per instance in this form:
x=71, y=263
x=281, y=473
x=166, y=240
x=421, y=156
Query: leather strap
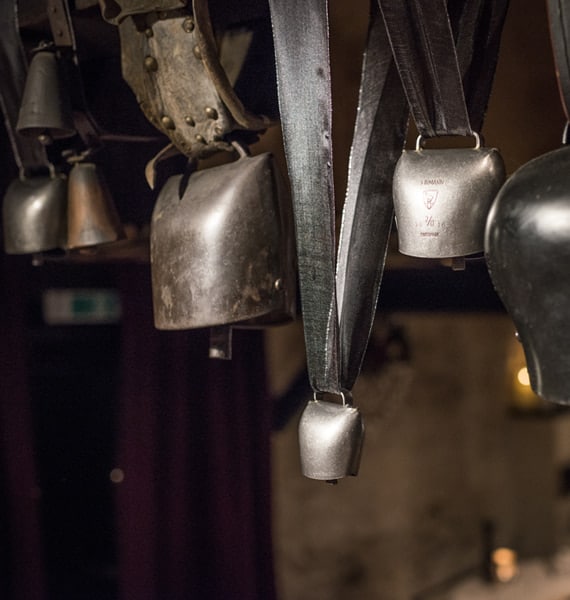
x=28, y=152
x=422, y=42
x=559, y=19
x=336, y=337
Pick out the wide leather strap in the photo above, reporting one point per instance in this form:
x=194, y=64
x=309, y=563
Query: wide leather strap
x=559, y=19
x=178, y=68
x=28, y=152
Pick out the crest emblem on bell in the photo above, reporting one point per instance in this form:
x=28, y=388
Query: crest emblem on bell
x=527, y=247
x=442, y=198
x=330, y=439
x=430, y=196
x=221, y=248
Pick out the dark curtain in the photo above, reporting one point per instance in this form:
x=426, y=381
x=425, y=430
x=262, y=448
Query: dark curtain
x=22, y=575
x=193, y=509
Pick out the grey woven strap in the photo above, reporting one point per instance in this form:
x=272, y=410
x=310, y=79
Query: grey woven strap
x=304, y=87
x=336, y=337
x=28, y=152
x=368, y=209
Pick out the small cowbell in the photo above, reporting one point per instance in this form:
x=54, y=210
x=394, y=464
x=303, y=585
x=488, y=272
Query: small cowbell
x=45, y=111
x=442, y=198
x=34, y=214
x=92, y=218
x=527, y=247
x=330, y=439
x=222, y=250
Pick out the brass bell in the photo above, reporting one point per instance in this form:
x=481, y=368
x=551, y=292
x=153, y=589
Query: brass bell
x=34, y=214
x=46, y=106
x=221, y=248
x=92, y=218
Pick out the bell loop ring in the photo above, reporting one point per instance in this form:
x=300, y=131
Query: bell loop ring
x=474, y=134
x=345, y=395
x=25, y=173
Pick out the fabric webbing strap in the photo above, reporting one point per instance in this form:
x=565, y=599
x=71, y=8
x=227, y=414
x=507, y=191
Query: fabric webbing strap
x=336, y=337
x=446, y=55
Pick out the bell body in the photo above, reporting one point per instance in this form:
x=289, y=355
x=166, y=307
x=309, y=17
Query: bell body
x=527, y=248
x=92, y=216
x=223, y=251
x=442, y=198
x=46, y=105
x=34, y=215
x=330, y=440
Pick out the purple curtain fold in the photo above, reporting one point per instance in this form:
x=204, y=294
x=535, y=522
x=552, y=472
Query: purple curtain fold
x=193, y=510
x=25, y=568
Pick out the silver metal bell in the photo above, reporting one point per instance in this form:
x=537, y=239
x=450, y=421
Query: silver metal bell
x=92, y=216
x=222, y=250
x=34, y=214
x=527, y=247
x=442, y=198
x=46, y=105
x=330, y=439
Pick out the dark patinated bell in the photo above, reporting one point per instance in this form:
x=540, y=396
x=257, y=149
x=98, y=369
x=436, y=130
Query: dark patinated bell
x=221, y=248
x=92, y=218
x=442, y=198
x=527, y=247
x=330, y=440
x=34, y=214
x=45, y=111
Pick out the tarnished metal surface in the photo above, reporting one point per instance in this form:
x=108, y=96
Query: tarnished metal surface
x=330, y=440
x=46, y=105
x=222, y=248
x=442, y=198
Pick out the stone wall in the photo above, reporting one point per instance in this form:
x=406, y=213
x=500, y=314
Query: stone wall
x=443, y=456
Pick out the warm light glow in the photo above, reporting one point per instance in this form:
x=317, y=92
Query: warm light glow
x=522, y=376
x=117, y=475
x=505, y=561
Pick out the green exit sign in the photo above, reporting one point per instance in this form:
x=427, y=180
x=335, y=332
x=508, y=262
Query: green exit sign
x=81, y=306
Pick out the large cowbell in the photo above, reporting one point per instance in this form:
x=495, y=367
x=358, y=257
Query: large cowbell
x=527, y=246
x=222, y=249
x=442, y=198
x=34, y=214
